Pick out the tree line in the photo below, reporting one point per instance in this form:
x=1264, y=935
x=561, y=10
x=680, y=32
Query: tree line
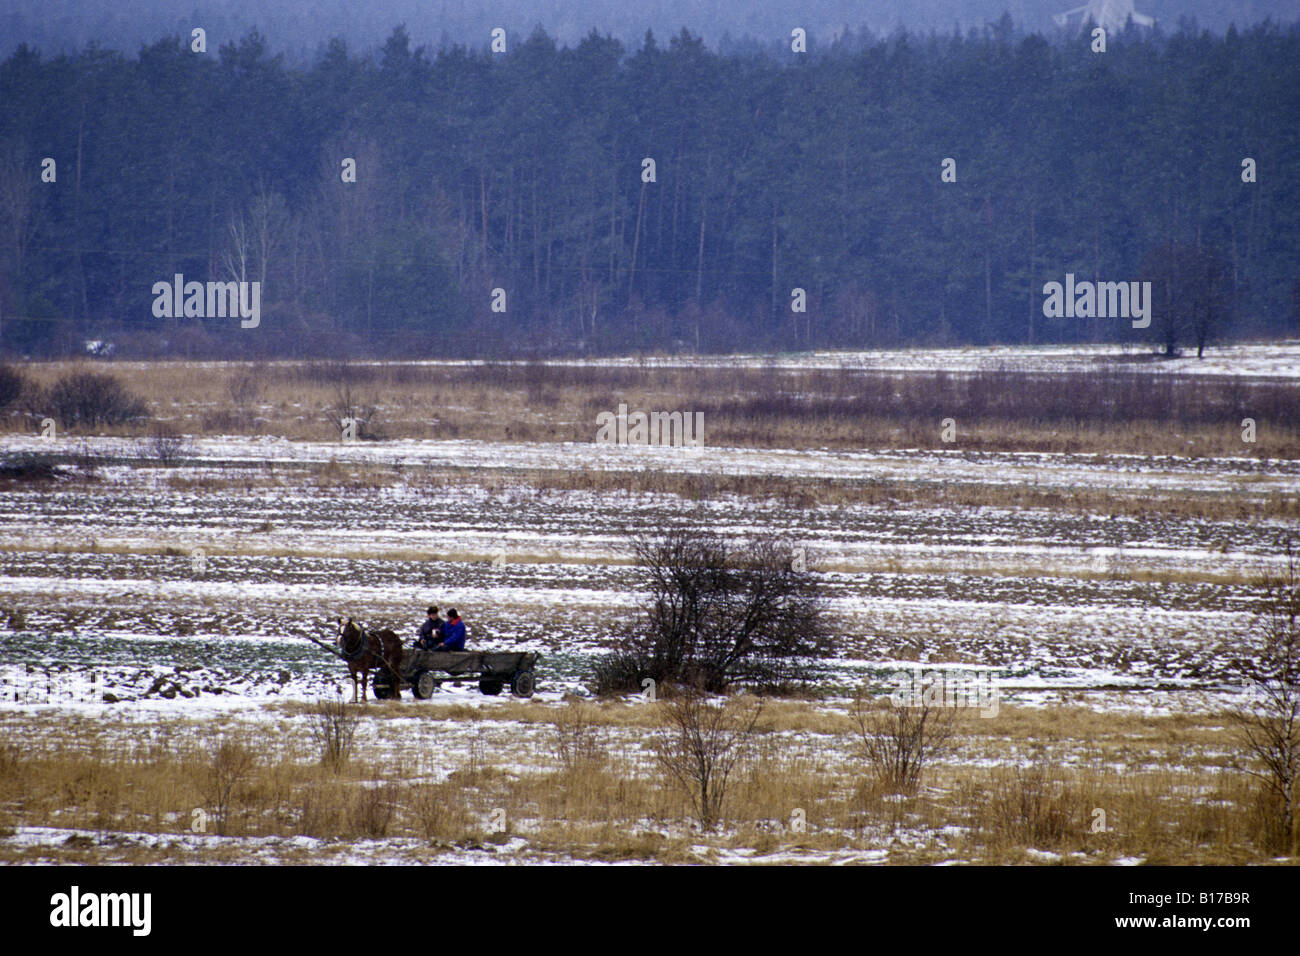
x=591, y=198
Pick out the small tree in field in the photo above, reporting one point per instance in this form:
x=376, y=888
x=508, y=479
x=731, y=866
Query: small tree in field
x=717, y=616
x=1269, y=723
x=700, y=744
x=165, y=444
x=333, y=726
x=899, y=740
x=81, y=398
x=229, y=765
x=1189, y=296
x=12, y=385
x=348, y=408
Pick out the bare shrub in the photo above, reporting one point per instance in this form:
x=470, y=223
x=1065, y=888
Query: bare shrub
x=372, y=808
x=333, y=726
x=245, y=388
x=165, y=444
x=34, y=402
x=618, y=672
x=93, y=398
x=319, y=813
x=439, y=811
x=230, y=764
x=578, y=739
x=13, y=382
x=87, y=461
x=719, y=615
x=349, y=407
x=898, y=741
x=1034, y=806
x=1269, y=723
x=429, y=807
x=700, y=744
x=29, y=467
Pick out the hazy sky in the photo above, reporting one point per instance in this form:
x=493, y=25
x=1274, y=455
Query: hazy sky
x=301, y=26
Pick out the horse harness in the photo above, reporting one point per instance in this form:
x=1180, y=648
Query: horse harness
x=362, y=648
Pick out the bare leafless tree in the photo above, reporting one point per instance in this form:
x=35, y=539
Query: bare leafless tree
x=1269, y=722
x=898, y=740
x=246, y=388
x=81, y=398
x=19, y=201
x=1189, y=298
x=350, y=407
x=237, y=255
x=700, y=744
x=333, y=726
x=344, y=222
x=230, y=764
x=13, y=382
x=718, y=614
x=268, y=221
x=165, y=444
x=578, y=739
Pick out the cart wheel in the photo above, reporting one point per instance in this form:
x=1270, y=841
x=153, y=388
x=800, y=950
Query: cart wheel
x=425, y=684
x=381, y=689
x=490, y=687
x=522, y=684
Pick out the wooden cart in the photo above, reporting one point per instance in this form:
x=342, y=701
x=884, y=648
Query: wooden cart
x=424, y=671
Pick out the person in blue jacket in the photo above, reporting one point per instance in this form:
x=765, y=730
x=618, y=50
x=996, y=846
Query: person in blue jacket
x=453, y=633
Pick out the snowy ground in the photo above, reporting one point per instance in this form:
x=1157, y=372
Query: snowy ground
x=1272, y=360
x=129, y=579
x=1248, y=478
x=139, y=602
x=1266, y=360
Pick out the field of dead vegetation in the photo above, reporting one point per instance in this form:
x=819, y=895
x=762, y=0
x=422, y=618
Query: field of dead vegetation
x=1095, y=540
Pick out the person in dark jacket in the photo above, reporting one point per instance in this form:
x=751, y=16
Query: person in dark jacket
x=430, y=631
x=453, y=633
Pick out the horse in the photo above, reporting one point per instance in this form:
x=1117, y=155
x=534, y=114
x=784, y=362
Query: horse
x=364, y=651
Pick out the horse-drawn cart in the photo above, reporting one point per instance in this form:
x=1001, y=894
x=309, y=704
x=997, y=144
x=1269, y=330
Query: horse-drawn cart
x=423, y=671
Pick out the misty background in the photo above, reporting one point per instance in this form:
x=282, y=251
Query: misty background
x=302, y=28
x=501, y=204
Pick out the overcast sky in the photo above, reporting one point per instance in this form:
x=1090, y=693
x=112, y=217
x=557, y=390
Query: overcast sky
x=301, y=26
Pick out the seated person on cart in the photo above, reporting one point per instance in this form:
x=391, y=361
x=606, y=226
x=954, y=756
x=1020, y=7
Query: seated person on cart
x=453, y=633
x=431, y=631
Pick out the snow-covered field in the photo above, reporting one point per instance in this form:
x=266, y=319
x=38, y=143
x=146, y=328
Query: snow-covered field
x=1273, y=360
x=132, y=571
x=186, y=594
x=1249, y=477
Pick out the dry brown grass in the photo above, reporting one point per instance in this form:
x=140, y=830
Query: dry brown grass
x=1024, y=785
x=744, y=407
x=753, y=408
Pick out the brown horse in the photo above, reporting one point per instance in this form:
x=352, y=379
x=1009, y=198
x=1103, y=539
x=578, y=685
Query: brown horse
x=364, y=651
